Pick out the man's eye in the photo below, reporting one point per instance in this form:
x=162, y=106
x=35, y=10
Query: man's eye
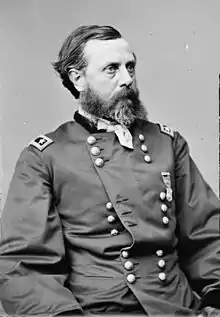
x=131, y=68
x=110, y=69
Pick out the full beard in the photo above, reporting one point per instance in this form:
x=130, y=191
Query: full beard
x=124, y=107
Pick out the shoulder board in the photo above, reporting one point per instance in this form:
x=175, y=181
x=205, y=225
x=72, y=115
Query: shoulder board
x=165, y=129
x=41, y=142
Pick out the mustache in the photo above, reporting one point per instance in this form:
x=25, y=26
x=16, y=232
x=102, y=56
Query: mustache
x=125, y=93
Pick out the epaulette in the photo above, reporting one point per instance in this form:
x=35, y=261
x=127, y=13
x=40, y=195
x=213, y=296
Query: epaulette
x=167, y=130
x=41, y=142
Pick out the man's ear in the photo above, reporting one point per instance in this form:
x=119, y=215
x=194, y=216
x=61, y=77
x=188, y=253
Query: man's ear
x=77, y=78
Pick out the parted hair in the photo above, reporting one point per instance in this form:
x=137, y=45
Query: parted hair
x=71, y=54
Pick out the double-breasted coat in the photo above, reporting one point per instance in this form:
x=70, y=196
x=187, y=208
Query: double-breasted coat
x=90, y=226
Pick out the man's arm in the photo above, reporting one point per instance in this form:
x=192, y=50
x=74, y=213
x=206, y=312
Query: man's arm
x=198, y=216
x=33, y=270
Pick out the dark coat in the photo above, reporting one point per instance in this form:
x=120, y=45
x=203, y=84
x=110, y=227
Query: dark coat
x=60, y=250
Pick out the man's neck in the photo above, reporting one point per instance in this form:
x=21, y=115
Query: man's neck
x=90, y=117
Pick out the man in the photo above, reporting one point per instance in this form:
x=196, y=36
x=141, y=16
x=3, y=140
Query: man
x=108, y=214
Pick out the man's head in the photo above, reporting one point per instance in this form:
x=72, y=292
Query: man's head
x=97, y=65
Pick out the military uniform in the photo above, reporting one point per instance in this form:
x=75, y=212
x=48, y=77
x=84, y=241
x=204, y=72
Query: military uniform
x=90, y=226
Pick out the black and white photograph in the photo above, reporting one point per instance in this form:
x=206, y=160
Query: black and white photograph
x=109, y=158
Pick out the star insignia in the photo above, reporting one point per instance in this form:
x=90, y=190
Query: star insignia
x=41, y=142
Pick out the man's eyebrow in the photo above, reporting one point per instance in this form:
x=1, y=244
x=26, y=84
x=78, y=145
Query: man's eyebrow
x=117, y=63
x=108, y=63
x=132, y=61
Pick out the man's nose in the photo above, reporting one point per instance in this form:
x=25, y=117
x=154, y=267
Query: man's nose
x=125, y=78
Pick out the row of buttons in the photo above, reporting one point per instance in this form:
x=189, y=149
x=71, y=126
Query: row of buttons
x=128, y=265
x=161, y=263
x=131, y=278
x=95, y=150
x=99, y=162
x=147, y=157
x=111, y=218
x=164, y=208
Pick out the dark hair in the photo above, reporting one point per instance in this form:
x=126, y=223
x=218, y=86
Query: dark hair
x=71, y=54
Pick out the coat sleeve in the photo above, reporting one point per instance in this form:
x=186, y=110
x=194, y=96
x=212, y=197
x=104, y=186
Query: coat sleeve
x=33, y=269
x=198, y=226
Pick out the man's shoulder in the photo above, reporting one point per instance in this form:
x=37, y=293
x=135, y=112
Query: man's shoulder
x=41, y=142
x=53, y=138
x=158, y=128
x=159, y=134
x=165, y=129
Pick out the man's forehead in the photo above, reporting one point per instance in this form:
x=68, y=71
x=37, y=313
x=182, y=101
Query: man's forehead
x=101, y=50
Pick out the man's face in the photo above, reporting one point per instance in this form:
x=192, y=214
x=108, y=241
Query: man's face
x=109, y=82
x=111, y=67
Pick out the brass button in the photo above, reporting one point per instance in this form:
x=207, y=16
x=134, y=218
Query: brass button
x=99, y=162
x=109, y=205
x=128, y=265
x=164, y=207
x=162, y=276
x=159, y=253
x=147, y=158
x=162, y=195
x=95, y=150
x=144, y=147
x=131, y=278
x=125, y=254
x=165, y=220
x=141, y=137
x=114, y=232
x=91, y=140
x=161, y=263
x=111, y=219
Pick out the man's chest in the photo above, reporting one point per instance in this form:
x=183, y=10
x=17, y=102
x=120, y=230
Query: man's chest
x=88, y=177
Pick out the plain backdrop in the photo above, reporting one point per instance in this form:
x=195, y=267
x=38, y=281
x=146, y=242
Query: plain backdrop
x=178, y=48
